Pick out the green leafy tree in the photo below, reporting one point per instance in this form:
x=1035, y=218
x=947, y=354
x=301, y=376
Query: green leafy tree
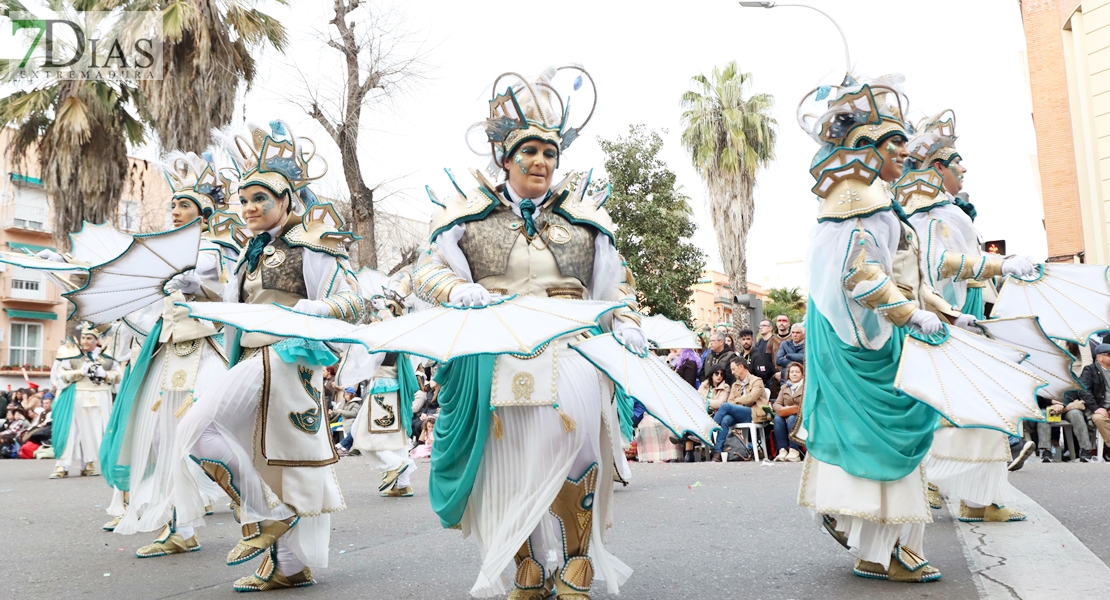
x=785, y=301
x=729, y=138
x=654, y=223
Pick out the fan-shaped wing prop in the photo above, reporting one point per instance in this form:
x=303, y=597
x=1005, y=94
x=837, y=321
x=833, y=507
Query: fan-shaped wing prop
x=1071, y=301
x=662, y=392
x=98, y=244
x=31, y=262
x=512, y=325
x=665, y=333
x=136, y=278
x=971, y=380
x=1046, y=359
x=372, y=282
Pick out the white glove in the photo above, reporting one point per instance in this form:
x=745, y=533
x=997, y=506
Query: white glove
x=186, y=283
x=1021, y=266
x=100, y=372
x=378, y=303
x=925, y=322
x=51, y=256
x=630, y=335
x=966, y=321
x=470, y=294
x=318, y=308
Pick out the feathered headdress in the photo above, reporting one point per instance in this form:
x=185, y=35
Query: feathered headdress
x=531, y=110
x=276, y=160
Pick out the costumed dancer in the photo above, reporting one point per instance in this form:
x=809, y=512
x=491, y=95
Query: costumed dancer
x=526, y=449
x=260, y=431
x=382, y=430
x=863, y=476
x=179, y=358
x=85, y=377
x=967, y=463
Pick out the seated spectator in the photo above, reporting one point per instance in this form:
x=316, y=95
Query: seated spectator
x=1072, y=412
x=715, y=390
x=40, y=429
x=1096, y=403
x=787, y=408
x=792, y=350
x=654, y=443
x=14, y=426
x=32, y=403
x=427, y=436
x=687, y=364
x=348, y=407
x=746, y=393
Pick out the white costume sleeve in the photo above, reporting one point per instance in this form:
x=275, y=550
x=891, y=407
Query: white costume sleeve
x=942, y=229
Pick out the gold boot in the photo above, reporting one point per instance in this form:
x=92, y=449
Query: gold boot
x=390, y=477
x=258, y=538
x=532, y=582
x=90, y=470
x=111, y=525
x=932, y=494
x=908, y=566
x=829, y=524
x=221, y=475
x=269, y=577
x=169, y=542
x=398, y=492
x=59, y=473
x=574, y=508
x=1000, y=514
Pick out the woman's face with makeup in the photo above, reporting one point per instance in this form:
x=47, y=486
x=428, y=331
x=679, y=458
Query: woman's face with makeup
x=262, y=209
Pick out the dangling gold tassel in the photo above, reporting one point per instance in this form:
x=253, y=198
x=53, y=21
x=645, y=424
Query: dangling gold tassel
x=498, y=431
x=156, y=405
x=568, y=423
x=184, y=407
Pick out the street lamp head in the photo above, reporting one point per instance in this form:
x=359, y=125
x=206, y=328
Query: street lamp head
x=763, y=4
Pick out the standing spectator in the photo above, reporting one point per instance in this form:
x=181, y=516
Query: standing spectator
x=1096, y=379
x=787, y=408
x=745, y=394
x=348, y=407
x=331, y=391
x=730, y=342
x=718, y=356
x=780, y=334
x=792, y=350
x=688, y=365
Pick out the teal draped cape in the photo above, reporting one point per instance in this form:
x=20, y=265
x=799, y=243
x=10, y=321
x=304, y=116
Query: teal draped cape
x=409, y=386
x=973, y=304
x=624, y=413
x=460, y=433
x=854, y=417
x=61, y=418
x=118, y=475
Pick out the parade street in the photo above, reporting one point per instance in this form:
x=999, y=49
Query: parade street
x=704, y=530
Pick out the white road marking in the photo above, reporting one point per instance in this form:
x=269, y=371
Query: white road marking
x=1036, y=558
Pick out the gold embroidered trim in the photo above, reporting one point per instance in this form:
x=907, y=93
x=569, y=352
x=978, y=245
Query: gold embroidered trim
x=855, y=513
x=184, y=349
x=567, y=293
x=968, y=460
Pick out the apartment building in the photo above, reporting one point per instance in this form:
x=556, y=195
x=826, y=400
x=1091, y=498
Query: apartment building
x=710, y=301
x=33, y=316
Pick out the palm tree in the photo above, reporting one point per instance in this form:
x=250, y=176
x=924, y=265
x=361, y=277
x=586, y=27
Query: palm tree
x=80, y=131
x=206, y=53
x=729, y=138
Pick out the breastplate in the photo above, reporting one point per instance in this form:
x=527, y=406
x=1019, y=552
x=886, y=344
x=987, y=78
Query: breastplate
x=488, y=242
x=281, y=271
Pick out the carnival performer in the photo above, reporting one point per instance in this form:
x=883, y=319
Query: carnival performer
x=967, y=463
x=81, y=410
x=178, y=359
x=259, y=430
x=862, y=476
x=381, y=430
x=538, y=490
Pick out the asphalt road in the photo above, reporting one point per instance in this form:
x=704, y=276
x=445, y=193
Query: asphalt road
x=689, y=531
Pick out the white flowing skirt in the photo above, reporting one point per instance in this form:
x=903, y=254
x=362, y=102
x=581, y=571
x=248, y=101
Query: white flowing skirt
x=875, y=515
x=971, y=464
x=153, y=448
x=86, y=429
x=522, y=473
x=230, y=407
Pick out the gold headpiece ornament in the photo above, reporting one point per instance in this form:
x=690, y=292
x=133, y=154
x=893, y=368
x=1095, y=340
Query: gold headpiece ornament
x=194, y=178
x=856, y=114
x=276, y=160
x=87, y=328
x=934, y=139
x=532, y=110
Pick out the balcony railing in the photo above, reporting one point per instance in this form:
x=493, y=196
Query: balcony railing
x=39, y=359
x=25, y=217
x=12, y=288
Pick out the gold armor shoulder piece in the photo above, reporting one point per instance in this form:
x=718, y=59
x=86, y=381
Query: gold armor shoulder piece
x=920, y=190
x=68, y=350
x=584, y=204
x=228, y=230
x=848, y=184
x=462, y=207
x=320, y=229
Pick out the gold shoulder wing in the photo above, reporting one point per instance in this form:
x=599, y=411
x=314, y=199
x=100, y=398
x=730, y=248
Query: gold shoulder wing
x=321, y=229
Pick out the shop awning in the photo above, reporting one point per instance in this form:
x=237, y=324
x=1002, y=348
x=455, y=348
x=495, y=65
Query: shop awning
x=16, y=177
x=37, y=315
x=33, y=248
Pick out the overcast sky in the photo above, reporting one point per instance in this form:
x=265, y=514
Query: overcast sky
x=954, y=53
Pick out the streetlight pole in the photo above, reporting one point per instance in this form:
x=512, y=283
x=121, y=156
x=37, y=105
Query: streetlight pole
x=843, y=38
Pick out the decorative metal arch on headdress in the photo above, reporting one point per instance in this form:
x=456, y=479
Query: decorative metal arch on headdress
x=850, y=105
x=934, y=139
x=275, y=159
x=194, y=178
x=87, y=328
x=527, y=110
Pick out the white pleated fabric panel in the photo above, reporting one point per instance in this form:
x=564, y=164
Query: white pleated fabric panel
x=970, y=464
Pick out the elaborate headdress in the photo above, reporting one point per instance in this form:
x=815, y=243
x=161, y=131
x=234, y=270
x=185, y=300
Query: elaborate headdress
x=276, y=160
x=195, y=178
x=87, y=328
x=531, y=110
x=934, y=139
x=857, y=114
